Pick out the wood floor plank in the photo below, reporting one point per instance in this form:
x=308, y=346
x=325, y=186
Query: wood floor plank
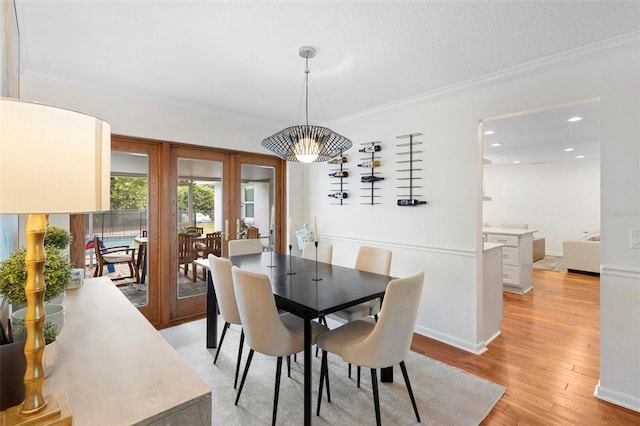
x=547, y=356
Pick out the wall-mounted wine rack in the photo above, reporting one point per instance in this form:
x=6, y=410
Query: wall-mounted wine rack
x=338, y=174
x=408, y=196
x=370, y=160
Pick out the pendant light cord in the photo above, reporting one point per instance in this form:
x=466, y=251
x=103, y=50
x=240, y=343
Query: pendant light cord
x=306, y=85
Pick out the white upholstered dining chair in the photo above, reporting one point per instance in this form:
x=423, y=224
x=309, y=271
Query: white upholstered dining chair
x=370, y=259
x=266, y=330
x=381, y=344
x=223, y=285
x=325, y=252
x=240, y=247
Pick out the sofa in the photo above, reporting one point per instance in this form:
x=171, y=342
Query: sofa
x=582, y=255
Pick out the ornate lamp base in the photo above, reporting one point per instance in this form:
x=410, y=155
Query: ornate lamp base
x=56, y=412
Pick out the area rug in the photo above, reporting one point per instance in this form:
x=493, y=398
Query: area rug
x=445, y=395
x=550, y=263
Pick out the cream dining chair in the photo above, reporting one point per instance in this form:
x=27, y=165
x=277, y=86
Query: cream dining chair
x=381, y=344
x=267, y=331
x=223, y=285
x=325, y=252
x=240, y=247
x=370, y=259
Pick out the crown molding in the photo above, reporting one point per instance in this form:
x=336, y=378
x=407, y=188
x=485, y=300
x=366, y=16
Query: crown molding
x=581, y=54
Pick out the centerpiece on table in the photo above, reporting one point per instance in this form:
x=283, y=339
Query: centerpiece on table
x=304, y=235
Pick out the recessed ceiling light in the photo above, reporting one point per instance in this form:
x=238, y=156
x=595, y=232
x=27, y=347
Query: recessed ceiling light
x=568, y=149
x=574, y=119
x=496, y=144
x=516, y=162
x=579, y=156
x=489, y=132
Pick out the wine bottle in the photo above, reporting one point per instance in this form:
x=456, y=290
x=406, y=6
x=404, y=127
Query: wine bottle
x=337, y=160
x=339, y=195
x=340, y=174
x=410, y=202
x=371, y=148
x=369, y=164
x=370, y=179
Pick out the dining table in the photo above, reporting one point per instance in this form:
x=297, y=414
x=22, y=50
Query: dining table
x=307, y=289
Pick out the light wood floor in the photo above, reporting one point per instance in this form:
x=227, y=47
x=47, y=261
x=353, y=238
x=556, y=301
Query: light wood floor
x=547, y=356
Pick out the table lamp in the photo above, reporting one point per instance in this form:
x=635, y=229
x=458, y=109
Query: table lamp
x=52, y=160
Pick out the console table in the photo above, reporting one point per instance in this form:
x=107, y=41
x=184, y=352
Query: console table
x=115, y=368
x=517, y=257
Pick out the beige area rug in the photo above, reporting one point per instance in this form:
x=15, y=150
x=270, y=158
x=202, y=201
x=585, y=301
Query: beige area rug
x=550, y=263
x=445, y=395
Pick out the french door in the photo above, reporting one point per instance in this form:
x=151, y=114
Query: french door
x=215, y=192
x=177, y=187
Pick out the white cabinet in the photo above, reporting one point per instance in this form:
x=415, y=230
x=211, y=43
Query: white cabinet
x=491, y=292
x=517, y=257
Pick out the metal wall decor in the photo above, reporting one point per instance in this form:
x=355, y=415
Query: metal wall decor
x=407, y=172
x=337, y=174
x=371, y=161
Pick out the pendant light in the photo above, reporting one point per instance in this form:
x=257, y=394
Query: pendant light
x=306, y=143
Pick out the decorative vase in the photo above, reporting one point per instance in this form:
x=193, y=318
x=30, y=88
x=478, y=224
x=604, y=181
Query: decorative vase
x=54, y=314
x=56, y=300
x=12, y=368
x=50, y=358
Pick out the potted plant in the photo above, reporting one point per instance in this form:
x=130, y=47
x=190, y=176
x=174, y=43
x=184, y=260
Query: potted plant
x=13, y=274
x=57, y=236
x=50, y=356
x=57, y=275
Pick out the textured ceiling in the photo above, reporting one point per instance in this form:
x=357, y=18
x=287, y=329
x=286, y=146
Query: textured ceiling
x=241, y=58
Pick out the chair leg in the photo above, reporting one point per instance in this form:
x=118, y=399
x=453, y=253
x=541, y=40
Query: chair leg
x=244, y=375
x=277, y=390
x=408, y=384
x=324, y=377
x=358, y=369
x=224, y=332
x=376, y=400
x=235, y=382
x=288, y=365
x=349, y=370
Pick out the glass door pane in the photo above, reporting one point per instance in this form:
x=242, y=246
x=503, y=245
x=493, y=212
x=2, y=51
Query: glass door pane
x=256, y=218
x=200, y=219
x=122, y=230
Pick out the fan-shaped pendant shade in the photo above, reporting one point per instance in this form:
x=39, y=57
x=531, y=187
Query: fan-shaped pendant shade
x=306, y=143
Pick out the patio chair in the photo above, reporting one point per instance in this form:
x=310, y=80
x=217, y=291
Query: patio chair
x=114, y=256
x=186, y=254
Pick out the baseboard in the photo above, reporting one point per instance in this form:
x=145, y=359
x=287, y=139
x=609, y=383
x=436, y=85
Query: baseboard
x=618, y=398
x=474, y=348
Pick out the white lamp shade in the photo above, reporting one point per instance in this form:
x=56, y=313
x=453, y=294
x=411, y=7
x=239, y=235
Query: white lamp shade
x=52, y=160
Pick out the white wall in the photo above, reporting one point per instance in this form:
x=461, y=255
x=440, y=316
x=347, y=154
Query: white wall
x=444, y=237
x=560, y=200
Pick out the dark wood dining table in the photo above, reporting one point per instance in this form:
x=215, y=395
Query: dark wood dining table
x=314, y=289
